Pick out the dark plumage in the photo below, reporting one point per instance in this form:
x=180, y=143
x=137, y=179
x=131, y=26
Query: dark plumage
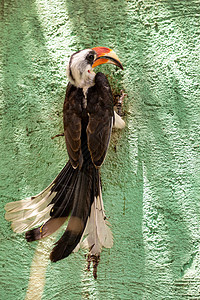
x=75, y=194
x=87, y=134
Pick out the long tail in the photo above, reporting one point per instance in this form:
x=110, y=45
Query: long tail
x=75, y=195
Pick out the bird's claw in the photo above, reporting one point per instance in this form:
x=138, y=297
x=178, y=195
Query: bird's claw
x=119, y=99
x=95, y=260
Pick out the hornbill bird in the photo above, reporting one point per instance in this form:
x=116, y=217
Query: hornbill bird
x=75, y=195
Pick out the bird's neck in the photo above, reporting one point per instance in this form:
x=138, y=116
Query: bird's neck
x=86, y=80
x=82, y=80
x=85, y=90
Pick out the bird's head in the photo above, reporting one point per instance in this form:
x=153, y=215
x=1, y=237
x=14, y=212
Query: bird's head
x=80, y=68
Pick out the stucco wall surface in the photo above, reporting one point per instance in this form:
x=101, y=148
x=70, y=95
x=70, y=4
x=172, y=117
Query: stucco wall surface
x=151, y=173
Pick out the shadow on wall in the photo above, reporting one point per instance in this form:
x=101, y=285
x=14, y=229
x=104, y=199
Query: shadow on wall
x=26, y=87
x=27, y=149
x=166, y=103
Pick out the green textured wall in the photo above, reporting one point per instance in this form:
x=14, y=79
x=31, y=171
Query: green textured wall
x=151, y=174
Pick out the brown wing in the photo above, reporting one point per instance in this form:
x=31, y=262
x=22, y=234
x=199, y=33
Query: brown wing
x=72, y=123
x=100, y=109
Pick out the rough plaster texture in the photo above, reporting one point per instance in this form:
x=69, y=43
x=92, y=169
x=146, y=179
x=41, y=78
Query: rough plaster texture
x=151, y=174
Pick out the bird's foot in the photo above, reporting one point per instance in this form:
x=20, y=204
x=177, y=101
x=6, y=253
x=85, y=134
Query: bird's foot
x=95, y=260
x=119, y=100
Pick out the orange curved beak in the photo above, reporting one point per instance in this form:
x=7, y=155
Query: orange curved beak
x=106, y=55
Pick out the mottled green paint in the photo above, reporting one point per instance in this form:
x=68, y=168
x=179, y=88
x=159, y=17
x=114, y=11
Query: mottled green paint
x=151, y=173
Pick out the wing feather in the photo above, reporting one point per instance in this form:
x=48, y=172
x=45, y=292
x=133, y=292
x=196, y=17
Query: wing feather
x=100, y=109
x=72, y=123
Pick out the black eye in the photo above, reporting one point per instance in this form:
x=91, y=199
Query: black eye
x=90, y=58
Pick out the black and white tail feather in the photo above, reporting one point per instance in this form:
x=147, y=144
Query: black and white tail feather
x=60, y=201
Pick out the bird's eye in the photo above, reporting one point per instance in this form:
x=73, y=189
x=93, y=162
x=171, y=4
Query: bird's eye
x=90, y=58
